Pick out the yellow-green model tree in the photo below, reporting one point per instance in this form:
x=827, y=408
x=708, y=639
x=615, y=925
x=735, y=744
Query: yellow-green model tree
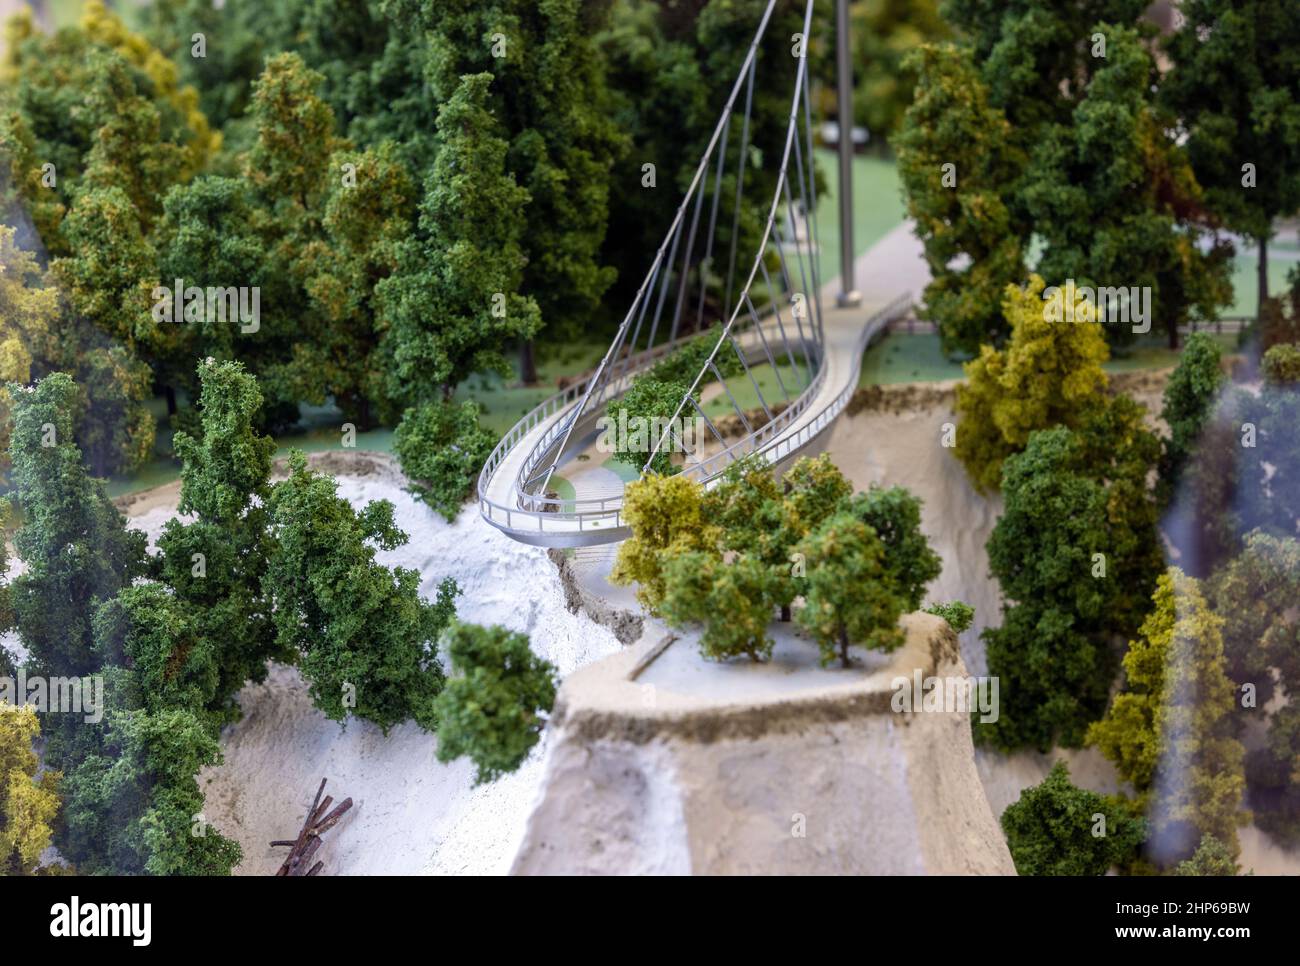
x=1168, y=732
x=28, y=803
x=666, y=514
x=1049, y=374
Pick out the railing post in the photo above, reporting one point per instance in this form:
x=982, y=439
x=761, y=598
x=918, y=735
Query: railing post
x=848, y=296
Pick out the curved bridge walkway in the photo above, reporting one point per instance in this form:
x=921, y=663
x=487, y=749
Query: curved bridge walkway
x=780, y=319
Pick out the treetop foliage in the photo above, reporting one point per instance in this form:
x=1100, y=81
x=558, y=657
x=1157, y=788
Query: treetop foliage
x=491, y=708
x=1049, y=374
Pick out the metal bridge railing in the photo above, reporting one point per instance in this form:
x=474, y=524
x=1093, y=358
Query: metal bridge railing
x=536, y=512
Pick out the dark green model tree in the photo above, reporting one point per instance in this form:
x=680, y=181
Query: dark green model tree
x=1232, y=85
x=442, y=448
x=132, y=806
x=1037, y=56
x=1075, y=552
x=957, y=613
x=492, y=707
x=1188, y=403
x=76, y=547
x=1254, y=594
x=366, y=638
x=958, y=166
x=1057, y=828
x=216, y=563
x=81, y=610
x=895, y=516
x=645, y=410
x=369, y=207
x=1114, y=198
x=547, y=97
x=454, y=300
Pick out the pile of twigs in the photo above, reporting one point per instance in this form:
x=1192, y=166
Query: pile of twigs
x=320, y=819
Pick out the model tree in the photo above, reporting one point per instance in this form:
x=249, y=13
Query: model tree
x=442, y=447
x=28, y=316
x=957, y=613
x=1211, y=857
x=666, y=514
x=646, y=409
x=455, y=298
x=1114, y=198
x=728, y=558
x=1038, y=56
x=749, y=505
x=99, y=97
x=849, y=598
x=492, y=707
x=1254, y=594
x=366, y=637
x=1049, y=374
x=1174, y=717
x=547, y=97
x=216, y=562
x=1075, y=552
x=814, y=490
x=895, y=516
x=1232, y=71
x=884, y=32
x=75, y=545
x=368, y=212
x=103, y=108
x=28, y=804
x=733, y=599
x=453, y=301
x=173, y=663
x=657, y=395
x=958, y=165
x=1188, y=403
x=1057, y=828
x=131, y=803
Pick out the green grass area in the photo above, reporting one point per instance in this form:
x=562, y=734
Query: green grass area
x=624, y=471
x=505, y=401
x=1245, y=281
x=794, y=377
x=877, y=206
x=901, y=357
x=1154, y=354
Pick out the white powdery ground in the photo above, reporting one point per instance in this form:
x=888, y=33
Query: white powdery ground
x=411, y=814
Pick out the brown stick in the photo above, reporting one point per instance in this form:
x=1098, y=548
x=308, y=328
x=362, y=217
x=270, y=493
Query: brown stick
x=319, y=820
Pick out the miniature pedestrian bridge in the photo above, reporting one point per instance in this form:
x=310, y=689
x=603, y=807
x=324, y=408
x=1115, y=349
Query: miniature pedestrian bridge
x=784, y=358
